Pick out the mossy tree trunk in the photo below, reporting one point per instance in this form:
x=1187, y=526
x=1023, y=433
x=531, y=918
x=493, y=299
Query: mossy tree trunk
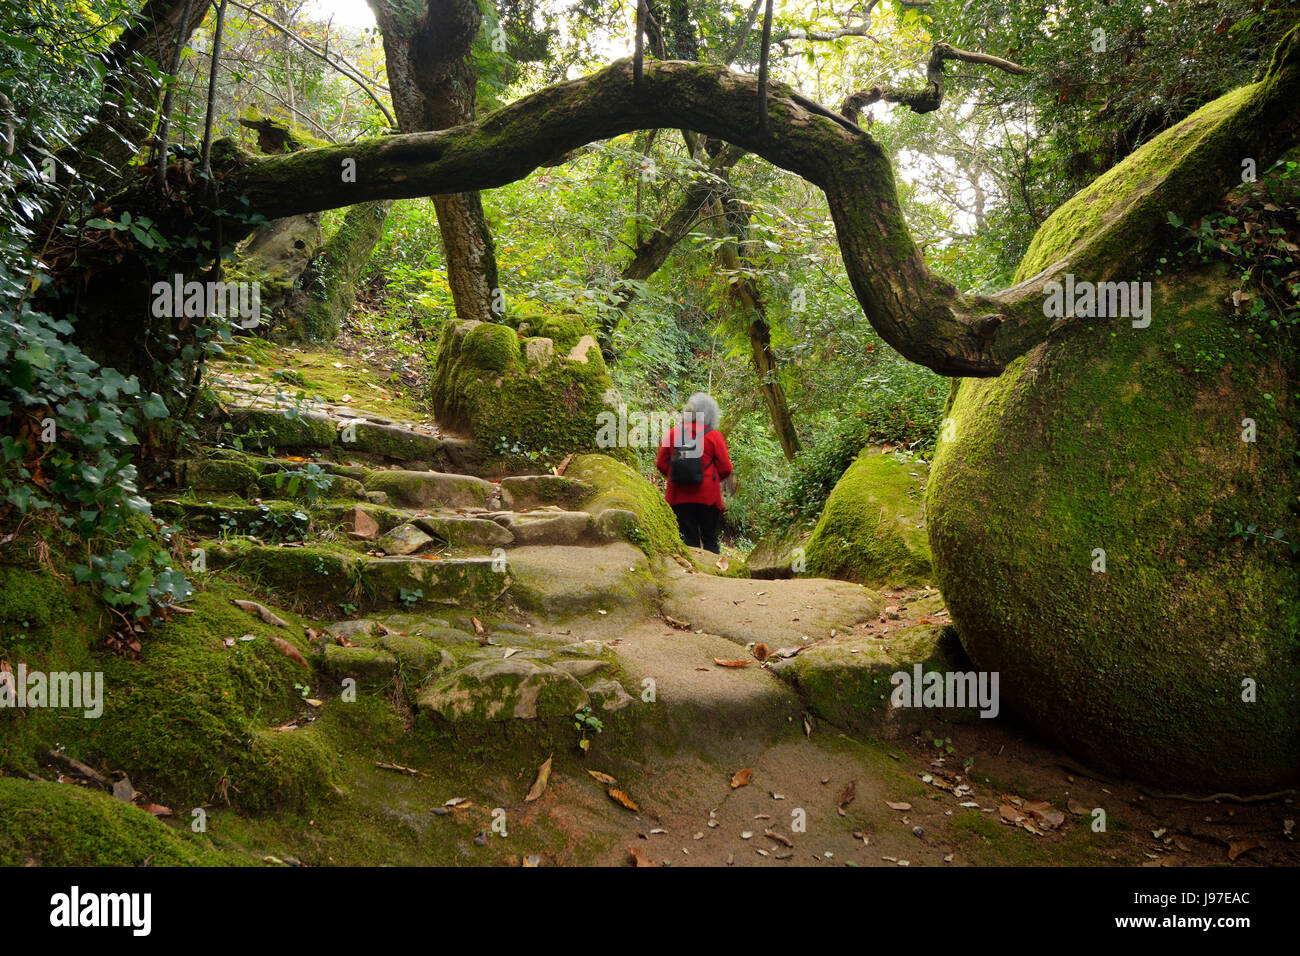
x=733, y=256
x=434, y=87
x=328, y=285
x=104, y=152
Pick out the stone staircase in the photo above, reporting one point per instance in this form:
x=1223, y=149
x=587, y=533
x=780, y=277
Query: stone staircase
x=480, y=600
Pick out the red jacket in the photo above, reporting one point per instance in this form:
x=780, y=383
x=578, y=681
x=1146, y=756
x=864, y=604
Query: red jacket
x=717, y=466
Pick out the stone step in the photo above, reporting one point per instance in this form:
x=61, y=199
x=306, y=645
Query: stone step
x=315, y=431
x=549, y=527
x=565, y=581
x=327, y=577
x=535, y=491
x=434, y=489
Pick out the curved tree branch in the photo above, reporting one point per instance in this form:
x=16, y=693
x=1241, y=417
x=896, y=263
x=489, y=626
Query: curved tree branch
x=919, y=314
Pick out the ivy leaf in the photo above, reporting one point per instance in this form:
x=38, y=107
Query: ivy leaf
x=154, y=406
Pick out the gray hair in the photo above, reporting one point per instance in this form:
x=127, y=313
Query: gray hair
x=701, y=408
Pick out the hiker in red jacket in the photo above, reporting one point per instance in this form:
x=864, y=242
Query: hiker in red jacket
x=694, y=459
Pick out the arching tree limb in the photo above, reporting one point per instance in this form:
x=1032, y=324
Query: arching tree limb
x=918, y=313
x=1184, y=170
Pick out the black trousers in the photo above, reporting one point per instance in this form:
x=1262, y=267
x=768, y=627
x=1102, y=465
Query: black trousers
x=699, y=525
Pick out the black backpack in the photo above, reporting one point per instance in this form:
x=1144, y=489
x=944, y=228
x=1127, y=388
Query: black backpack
x=686, y=467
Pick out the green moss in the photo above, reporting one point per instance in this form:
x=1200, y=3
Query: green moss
x=272, y=428
x=51, y=824
x=328, y=283
x=188, y=719
x=619, y=486
x=29, y=597
x=563, y=330
x=339, y=486
x=215, y=475
x=481, y=384
x=370, y=666
x=492, y=347
x=872, y=529
x=1105, y=439
x=846, y=680
x=1125, y=209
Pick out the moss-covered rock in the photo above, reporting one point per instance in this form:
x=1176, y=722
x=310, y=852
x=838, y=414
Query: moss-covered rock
x=619, y=487
x=536, y=491
x=424, y=489
x=564, y=331
x=566, y=580
x=335, y=486
x=1121, y=448
x=781, y=556
x=322, y=577
x=872, y=529
x=273, y=428
x=369, y=666
x=58, y=824
x=275, y=257
x=502, y=690
x=483, y=385
x=848, y=679
x=215, y=475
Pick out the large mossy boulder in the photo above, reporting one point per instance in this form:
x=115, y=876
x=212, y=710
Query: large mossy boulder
x=517, y=394
x=1122, y=448
x=872, y=529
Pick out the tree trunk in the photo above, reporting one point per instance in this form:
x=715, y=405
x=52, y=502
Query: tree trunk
x=434, y=88
x=328, y=285
x=103, y=154
x=746, y=293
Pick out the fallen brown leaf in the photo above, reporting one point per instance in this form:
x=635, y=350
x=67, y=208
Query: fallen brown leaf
x=778, y=837
x=1242, y=847
x=288, y=650
x=602, y=777
x=741, y=778
x=898, y=805
x=622, y=799
x=639, y=856
x=849, y=795
x=262, y=611
x=539, y=785
x=721, y=663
